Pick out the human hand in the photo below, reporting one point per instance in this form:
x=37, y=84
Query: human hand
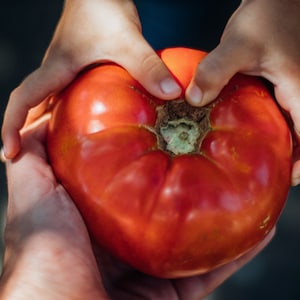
x=47, y=247
x=261, y=38
x=48, y=250
x=90, y=31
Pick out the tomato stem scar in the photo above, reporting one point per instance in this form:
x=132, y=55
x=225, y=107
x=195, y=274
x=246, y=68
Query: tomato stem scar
x=181, y=127
x=180, y=136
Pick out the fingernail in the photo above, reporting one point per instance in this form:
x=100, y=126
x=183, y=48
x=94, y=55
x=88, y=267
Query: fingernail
x=295, y=181
x=2, y=155
x=7, y=151
x=169, y=86
x=194, y=94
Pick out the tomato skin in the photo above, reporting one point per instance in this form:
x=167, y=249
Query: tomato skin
x=171, y=215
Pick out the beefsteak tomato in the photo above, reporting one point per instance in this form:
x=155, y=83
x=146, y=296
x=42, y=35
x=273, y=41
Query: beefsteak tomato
x=171, y=189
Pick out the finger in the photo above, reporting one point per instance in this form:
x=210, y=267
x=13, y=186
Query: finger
x=215, y=70
x=287, y=92
x=295, y=180
x=36, y=112
x=36, y=87
x=142, y=62
x=296, y=174
x=30, y=158
x=2, y=156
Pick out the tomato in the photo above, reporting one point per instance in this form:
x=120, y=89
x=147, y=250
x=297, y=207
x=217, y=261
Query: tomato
x=170, y=189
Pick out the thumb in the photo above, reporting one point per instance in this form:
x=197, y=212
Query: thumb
x=214, y=72
x=143, y=63
x=295, y=180
x=287, y=92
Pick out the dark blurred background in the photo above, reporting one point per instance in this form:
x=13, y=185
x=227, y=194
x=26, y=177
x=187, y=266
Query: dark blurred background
x=26, y=28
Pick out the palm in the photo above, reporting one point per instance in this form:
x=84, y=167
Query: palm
x=48, y=236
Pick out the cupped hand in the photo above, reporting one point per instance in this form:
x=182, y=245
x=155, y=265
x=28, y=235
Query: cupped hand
x=261, y=38
x=49, y=252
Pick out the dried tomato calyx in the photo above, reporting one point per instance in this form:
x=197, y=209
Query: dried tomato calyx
x=181, y=127
x=180, y=136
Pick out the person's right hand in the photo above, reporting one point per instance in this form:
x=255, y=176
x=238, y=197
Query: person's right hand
x=88, y=32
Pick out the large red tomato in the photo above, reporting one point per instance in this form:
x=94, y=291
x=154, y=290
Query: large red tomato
x=170, y=189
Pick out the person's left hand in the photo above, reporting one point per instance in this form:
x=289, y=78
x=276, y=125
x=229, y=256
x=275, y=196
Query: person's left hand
x=49, y=253
x=261, y=38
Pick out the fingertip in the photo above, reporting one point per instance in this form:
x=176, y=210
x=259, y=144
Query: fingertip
x=2, y=155
x=295, y=180
x=194, y=95
x=11, y=146
x=212, y=74
x=205, y=86
x=170, y=88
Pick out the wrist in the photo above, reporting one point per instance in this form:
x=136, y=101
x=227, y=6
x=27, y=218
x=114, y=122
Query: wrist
x=57, y=271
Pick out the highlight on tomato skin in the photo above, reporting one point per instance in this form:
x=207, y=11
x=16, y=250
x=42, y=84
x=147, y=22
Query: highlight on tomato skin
x=170, y=189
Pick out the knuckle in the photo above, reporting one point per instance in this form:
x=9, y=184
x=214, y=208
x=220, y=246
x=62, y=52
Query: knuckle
x=151, y=64
x=210, y=74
